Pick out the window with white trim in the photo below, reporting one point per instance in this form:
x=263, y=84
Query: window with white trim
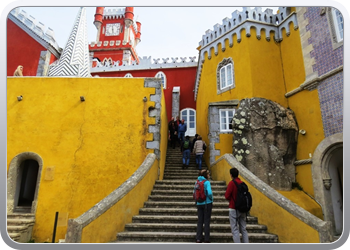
x=226, y=116
x=128, y=75
x=225, y=75
x=338, y=24
x=162, y=76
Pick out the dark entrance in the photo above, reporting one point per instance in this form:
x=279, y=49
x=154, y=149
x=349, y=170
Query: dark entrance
x=27, y=178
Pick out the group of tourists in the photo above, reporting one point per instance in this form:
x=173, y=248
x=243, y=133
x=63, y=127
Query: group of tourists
x=238, y=220
x=177, y=130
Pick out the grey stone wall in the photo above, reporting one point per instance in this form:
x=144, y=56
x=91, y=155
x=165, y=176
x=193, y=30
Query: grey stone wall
x=214, y=125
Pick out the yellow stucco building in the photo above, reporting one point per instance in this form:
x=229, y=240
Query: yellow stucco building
x=259, y=55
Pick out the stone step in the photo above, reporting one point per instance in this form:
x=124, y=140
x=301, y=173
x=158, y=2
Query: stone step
x=181, y=198
x=19, y=222
x=188, y=219
x=181, y=212
x=187, y=182
x=15, y=236
x=20, y=226
x=186, y=187
x=175, y=177
x=191, y=237
x=183, y=193
x=183, y=205
x=214, y=228
x=17, y=229
x=170, y=214
x=20, y=216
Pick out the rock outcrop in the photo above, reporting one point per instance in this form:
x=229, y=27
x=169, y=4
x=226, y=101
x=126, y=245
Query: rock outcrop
x=265, y=140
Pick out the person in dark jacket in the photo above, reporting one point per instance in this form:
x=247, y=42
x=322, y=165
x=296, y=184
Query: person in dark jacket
x=182, y=128
x=186, y=152
x=237, y=220
x=173, y=133
x=204, y=209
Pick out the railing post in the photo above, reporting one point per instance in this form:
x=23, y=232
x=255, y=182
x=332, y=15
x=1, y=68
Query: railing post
x=54, y=228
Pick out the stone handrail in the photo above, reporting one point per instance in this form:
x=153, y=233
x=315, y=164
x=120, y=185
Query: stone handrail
x=322, y=227
x=75, y=226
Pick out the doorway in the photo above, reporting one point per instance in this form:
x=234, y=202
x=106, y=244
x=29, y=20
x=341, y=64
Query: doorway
x=27, y=179
x=327, y=172
x=23, y=180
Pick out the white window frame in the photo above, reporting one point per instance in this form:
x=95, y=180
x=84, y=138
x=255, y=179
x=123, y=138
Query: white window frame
x=226, y=71
x=128, y=75
x=162, y=76
x=228, y=119
x=336, y=29
x=338, y=24
x=225, y=65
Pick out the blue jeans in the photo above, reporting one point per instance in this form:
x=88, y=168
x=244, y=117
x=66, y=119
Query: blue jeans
x=186, y=157
x=199, y=160
x=181, y=136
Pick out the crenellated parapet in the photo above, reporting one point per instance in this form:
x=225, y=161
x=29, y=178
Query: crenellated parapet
x=145, y=62
x=246, y=20
x=114, y=13
x=36, y=29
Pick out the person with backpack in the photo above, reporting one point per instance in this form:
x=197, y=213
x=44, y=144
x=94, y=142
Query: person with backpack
x=198, y=150
x=203, y=196
x=186, y=152
x=238, y=219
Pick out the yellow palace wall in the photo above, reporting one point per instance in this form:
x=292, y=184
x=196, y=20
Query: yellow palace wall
x=88, y=148
x=266, y=69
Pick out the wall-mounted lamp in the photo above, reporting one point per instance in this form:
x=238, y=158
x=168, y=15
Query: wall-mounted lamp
x=145, y=99
x=302, y=132
x=19, y=98
x=82, y=98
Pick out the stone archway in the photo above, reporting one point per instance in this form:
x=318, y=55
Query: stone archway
x=327, y=173
x=15, y=174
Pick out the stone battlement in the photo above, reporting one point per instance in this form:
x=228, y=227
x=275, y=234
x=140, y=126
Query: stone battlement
x=113, y=13
x=22, y=18
x=238, y=18
x=146, y=63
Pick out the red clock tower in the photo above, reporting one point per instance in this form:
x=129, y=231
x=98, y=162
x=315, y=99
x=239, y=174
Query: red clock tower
x=117, y=36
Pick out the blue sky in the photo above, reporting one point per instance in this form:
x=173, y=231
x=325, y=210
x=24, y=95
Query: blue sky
x=165, y=31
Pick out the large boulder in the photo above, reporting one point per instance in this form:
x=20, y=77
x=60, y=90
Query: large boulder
x=265, y=141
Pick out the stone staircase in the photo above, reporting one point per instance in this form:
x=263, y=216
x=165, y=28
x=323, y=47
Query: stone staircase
x=20, y=226
x=170, y=214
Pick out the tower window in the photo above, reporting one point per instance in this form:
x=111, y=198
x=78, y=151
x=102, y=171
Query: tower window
x=225, y=75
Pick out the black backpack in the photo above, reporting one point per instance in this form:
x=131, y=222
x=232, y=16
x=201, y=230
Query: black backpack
x=244, y=201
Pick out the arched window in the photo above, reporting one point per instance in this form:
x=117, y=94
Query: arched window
x=225, y=75
x=338, y=23
x=162, y=76
x=128, y=75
